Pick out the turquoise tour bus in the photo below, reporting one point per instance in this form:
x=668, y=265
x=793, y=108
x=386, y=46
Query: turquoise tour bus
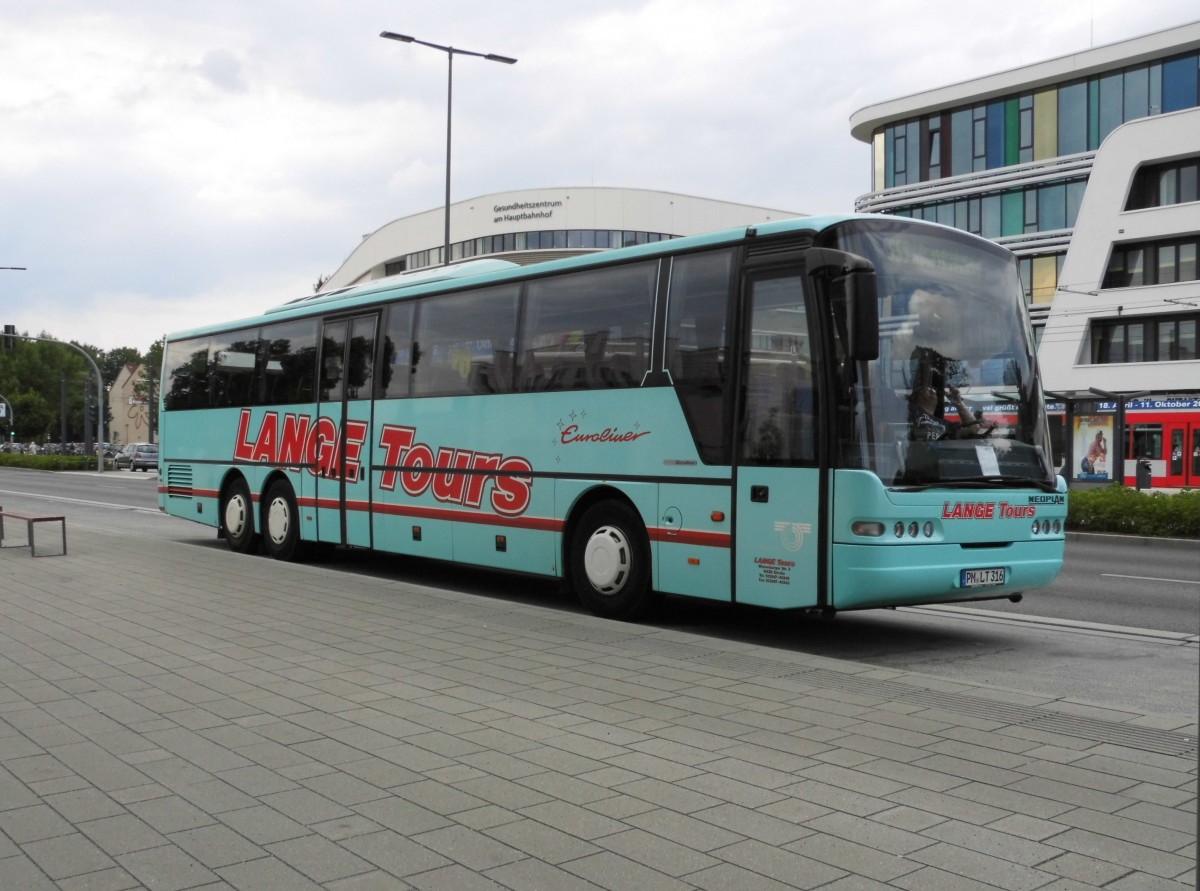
x=826, y=413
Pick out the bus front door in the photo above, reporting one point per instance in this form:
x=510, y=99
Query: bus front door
x=344, y=452
x=778, y=525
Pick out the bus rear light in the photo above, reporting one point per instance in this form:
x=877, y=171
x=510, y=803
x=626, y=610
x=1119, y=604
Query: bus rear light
x=1057, y=527
x=928, y=529
x=717, y=516
x=501, y=543
x=872, y=528
x=416, y=530
x=898, y=529
x=912, y=529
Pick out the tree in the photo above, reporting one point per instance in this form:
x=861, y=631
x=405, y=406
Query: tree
x=112, y=361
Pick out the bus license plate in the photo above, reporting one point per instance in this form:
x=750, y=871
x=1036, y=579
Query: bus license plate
x=982, y=578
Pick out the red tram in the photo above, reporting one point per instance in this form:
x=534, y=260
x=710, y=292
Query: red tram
x=1163, y=431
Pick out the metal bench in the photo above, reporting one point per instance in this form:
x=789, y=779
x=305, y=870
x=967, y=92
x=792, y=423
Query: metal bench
x=31, y=521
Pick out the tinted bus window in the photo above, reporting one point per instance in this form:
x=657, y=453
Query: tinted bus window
x=396, y=370
x=348, y=359
x=464, y=343
x=289, y=362
x=588, y=330
x=697, y=353
x=185, y=374
x=231, y=362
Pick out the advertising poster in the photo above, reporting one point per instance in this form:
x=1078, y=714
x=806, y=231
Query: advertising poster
x=1093, y=438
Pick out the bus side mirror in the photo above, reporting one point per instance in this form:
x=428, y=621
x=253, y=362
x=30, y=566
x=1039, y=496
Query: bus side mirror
x=857, y=276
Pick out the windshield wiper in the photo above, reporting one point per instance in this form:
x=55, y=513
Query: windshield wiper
x=983, y=482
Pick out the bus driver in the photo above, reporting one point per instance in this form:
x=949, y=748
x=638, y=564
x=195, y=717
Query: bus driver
x=925, y=425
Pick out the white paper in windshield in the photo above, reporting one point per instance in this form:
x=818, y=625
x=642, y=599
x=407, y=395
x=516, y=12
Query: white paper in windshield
x=988, y=465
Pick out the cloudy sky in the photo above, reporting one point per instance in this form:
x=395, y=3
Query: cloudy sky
x=171, y=163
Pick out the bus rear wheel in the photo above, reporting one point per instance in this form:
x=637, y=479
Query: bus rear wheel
x=281, y=522
x=237, y=518
x=610, y=562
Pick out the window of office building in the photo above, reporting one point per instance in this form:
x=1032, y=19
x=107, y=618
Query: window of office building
x=1062, y=119
x=1152, y=263
x=1159, y=185
x=1039, y=276
x=1013, y=212
x=1144, y=339
x=538, y=240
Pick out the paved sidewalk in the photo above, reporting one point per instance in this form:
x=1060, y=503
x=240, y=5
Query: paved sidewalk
x=173, y=716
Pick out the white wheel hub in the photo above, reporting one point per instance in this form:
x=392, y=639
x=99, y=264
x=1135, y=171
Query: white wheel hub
x=237, y=515
x=606, y=560
x=279, y=520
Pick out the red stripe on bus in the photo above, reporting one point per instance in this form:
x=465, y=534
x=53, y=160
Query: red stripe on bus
x=540, y=524
x=690, y=537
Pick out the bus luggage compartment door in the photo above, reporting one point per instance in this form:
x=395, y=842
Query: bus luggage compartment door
x=778, y=536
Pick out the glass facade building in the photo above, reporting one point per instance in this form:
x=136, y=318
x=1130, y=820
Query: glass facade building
x=1010, y=160
x=1032, y=125
x=1087, y=167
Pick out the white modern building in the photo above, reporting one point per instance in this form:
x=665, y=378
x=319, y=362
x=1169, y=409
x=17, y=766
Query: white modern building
x=531, y=225
x=1086, y=167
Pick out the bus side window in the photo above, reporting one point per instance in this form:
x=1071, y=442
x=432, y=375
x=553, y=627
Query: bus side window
x=185, y=378
x=396, y=373
x=232, y=362
x=463, y=339
x=697, y=347
x=289, y=362
x=588, y=330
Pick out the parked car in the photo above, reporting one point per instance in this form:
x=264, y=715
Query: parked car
x=145, y=457
x=124, y=457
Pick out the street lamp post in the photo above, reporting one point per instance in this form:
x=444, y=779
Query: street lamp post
x=450, y=52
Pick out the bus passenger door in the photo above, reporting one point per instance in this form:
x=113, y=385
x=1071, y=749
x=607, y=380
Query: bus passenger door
x=779, y=527
x=343, y=452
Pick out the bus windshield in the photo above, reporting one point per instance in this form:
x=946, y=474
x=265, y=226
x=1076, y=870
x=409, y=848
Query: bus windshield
x=953, y=398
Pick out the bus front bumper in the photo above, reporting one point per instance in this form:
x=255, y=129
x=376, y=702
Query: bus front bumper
x=892, y=575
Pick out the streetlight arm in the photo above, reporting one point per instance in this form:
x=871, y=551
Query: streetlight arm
x=405, y=38
x=450, y=54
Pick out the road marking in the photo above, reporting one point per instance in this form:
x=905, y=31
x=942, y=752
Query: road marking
x=1175, y=638
x=1147, y=578
x=59, y=498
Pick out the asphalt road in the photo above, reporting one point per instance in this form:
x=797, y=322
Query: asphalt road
x=1118, y=628
x=1118, y=580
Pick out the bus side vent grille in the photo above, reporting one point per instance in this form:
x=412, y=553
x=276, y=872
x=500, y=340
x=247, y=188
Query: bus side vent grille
x=179, y=481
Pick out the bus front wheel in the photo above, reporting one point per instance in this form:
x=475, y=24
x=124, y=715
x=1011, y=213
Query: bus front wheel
x=610, y=562
x=237, y=518
x=281, y=522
